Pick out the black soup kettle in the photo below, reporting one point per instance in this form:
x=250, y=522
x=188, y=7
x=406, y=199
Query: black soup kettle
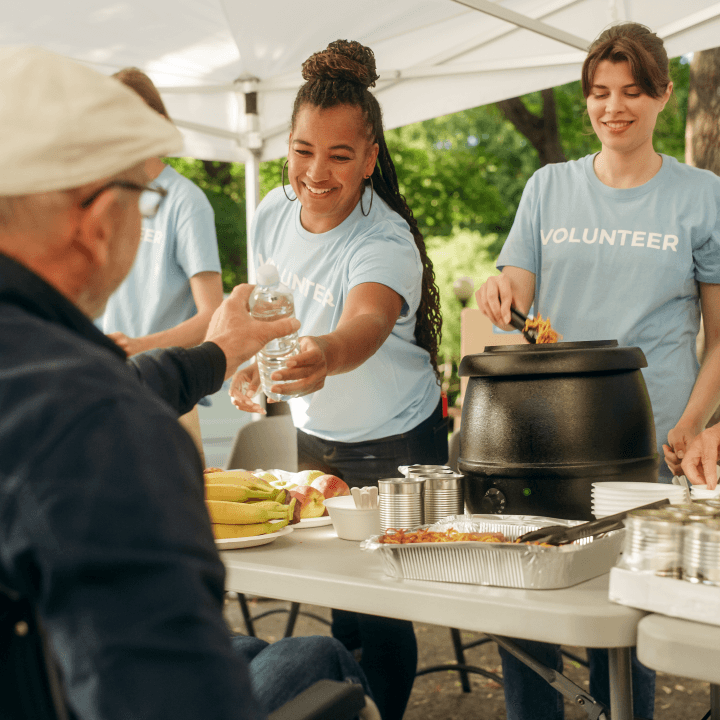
x=542, y=423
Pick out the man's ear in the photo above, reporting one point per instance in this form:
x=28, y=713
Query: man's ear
x=95, y=230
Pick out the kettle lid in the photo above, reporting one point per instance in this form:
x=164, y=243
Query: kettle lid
x=550, y=359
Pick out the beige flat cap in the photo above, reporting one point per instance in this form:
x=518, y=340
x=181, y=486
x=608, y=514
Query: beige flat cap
x=63, y=125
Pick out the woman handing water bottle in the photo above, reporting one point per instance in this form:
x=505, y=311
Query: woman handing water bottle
x=347, y=245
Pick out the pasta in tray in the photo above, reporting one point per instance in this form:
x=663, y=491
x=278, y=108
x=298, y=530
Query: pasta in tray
x=402, y=537
x=545, y=333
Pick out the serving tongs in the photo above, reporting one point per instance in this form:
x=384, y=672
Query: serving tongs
x=518, y=320
x=562, y=535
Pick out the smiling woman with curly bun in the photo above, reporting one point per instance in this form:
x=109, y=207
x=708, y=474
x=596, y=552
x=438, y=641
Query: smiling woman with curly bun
x=344, y=239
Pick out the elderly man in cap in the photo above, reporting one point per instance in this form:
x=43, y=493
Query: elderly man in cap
x=103, y=526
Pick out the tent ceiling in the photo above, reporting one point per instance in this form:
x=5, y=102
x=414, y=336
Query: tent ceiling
x=434, y=56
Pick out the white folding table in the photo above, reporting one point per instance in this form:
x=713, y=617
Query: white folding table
x=683, y=647
x=313, y=566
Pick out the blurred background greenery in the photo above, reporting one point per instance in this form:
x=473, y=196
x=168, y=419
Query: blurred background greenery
x=462, y=175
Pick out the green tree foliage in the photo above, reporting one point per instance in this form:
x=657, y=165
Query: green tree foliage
x=464, y=171
x=224, y=185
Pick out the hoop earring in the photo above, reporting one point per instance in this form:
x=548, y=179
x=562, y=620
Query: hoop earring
x=283, y=183
x=372, y=195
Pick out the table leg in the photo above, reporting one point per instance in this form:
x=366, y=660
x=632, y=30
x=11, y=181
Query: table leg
x=714, y=702
x=620, y=669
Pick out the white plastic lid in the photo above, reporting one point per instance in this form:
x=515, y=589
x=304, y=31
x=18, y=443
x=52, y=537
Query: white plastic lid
x=267, y=274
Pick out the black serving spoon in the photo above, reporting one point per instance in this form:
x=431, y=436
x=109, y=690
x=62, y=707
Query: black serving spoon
x=561, y=534
x=517, y=320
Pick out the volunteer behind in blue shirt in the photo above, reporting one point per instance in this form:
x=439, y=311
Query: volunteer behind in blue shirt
x=346, y=243
x=623, y=244
x=174, y=285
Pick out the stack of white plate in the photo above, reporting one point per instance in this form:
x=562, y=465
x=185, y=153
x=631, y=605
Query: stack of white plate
x=613, y=497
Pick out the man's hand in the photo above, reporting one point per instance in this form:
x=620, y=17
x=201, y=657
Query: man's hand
x=238, y=334
x=700, y=462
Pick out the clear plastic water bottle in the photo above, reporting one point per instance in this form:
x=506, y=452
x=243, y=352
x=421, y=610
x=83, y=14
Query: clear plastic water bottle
x=271, y=300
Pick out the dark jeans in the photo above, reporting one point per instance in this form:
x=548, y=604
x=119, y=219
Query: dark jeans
x=280, y=671
x=389, y=648
x=529, y=697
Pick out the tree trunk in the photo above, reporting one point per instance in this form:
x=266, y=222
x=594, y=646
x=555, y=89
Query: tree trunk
x=218, y=170
x=702, y=135
x=702, y=147
x=541, y=131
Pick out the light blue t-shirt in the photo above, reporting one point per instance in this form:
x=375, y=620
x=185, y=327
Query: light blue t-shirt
x=624, y=265
x=177, y=243
x=395, y=389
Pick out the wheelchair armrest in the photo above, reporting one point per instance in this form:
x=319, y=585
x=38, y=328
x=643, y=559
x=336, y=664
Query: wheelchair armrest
x=325, y=700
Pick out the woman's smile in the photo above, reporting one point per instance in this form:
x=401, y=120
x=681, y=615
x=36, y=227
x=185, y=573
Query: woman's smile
x=329, y=158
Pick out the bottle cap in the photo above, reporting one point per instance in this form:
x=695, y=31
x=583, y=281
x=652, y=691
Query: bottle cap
x=267, y=274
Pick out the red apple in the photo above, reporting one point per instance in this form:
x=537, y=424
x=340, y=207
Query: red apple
x=330, y=486
x=310, y=500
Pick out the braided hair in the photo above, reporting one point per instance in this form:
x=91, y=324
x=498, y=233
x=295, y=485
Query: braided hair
x=341, y=75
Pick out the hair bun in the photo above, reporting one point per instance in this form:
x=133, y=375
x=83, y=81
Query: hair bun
x=342, y=60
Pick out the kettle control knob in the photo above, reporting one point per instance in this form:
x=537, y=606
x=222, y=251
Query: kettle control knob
x=494, y=501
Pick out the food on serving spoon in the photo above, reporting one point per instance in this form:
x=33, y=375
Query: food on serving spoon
x=545, y=333
x=401, y=537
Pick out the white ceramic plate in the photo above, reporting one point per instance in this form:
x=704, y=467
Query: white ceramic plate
x=254, y=541
x=619, y=507
x=625, y=486
x=629, y=497
x=313, y=522
x=618, y=497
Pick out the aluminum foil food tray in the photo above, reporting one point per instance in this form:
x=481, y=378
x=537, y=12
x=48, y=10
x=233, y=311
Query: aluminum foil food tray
x=501, y=564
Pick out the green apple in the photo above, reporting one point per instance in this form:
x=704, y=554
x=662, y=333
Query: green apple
x=305, y=477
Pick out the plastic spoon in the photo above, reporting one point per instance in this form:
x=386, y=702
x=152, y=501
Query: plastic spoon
x=358, y=497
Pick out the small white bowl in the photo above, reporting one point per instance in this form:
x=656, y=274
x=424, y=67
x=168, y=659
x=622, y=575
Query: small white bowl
x=352, y=523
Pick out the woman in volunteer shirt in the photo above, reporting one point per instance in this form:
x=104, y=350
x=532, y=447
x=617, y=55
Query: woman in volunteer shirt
x=623, y=244
x=346, y=243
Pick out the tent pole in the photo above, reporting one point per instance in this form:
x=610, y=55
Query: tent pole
x=254, y=145
x=252, y=199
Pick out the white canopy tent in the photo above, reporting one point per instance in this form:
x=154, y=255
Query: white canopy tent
x=228, y=70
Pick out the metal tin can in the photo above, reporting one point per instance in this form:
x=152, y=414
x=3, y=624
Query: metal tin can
x=699, y=511
x=423, y=470
x=443, y=496
x=401, y=503
x=653, y=543
x=675, y=511
x=701, y=552
x=714, y=503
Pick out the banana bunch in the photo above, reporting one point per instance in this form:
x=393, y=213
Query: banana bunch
x=223, y=531
x=243, y=505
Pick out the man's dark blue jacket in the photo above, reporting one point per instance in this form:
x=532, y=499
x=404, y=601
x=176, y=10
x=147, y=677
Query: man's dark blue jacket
x=103, y=524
